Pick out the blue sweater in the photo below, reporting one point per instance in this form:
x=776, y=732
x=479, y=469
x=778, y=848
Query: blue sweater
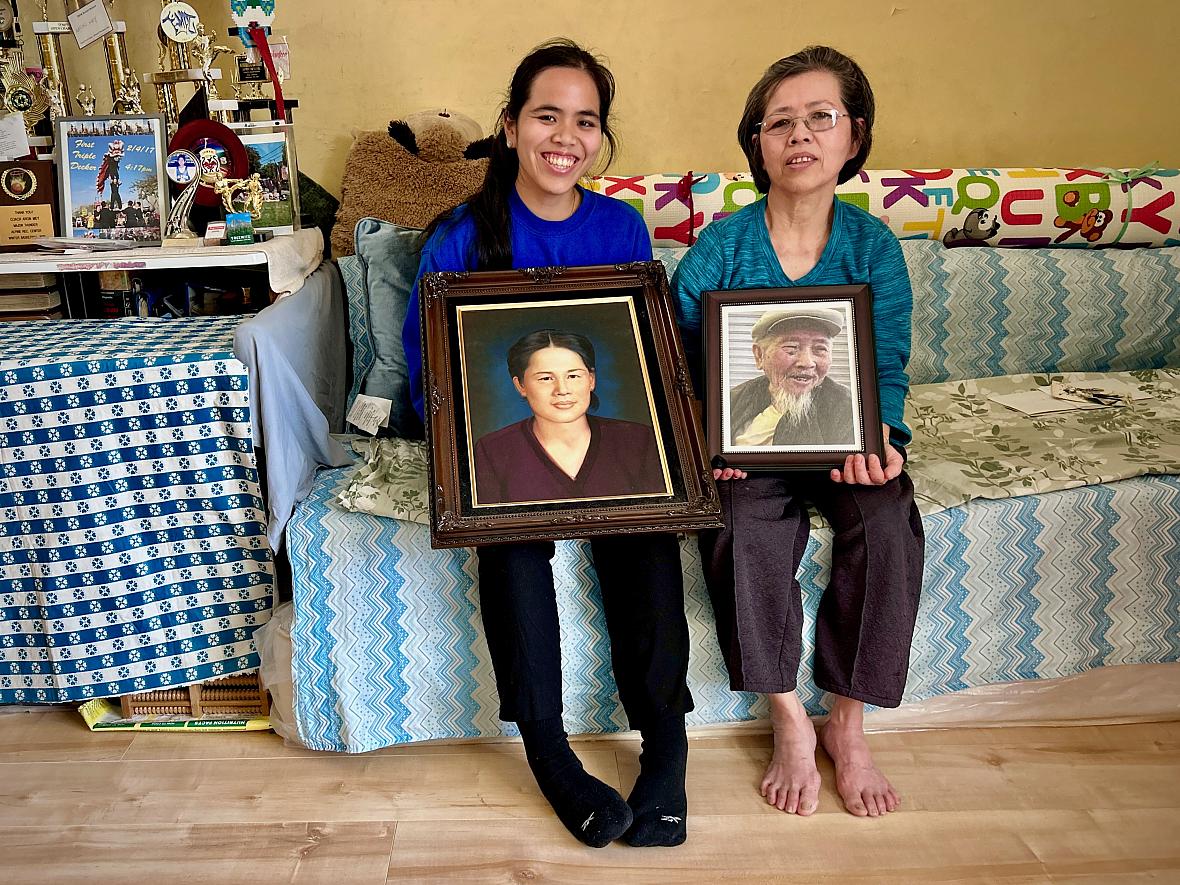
x=736, y=253
x=602, y=231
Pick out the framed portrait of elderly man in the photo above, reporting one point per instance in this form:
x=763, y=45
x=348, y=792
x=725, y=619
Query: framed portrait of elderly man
x=791, y=376
x=558, y=405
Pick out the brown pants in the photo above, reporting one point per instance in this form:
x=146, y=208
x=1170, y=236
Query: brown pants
x=866, y=617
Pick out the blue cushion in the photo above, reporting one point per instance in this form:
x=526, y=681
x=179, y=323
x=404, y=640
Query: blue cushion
x=353, y=273
x=389, y=254
x=983, y=312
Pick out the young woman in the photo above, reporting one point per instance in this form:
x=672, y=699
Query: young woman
x=562, y=451
x=531, y=212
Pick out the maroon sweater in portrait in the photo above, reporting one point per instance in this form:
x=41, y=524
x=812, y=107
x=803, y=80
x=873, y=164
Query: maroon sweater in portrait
x=512, y=467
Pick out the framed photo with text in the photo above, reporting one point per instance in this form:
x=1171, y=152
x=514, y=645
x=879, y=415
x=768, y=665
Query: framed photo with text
x=791, y=377
x=111, y=177
x=559, y=405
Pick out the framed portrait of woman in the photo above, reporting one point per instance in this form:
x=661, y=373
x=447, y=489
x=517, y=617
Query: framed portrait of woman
x=791, y=376
x=559, y=405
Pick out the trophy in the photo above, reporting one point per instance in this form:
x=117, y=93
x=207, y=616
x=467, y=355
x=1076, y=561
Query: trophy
x=184, y=169
x=253, y=19
x=248, y=191
x=127, y=100
x=186, y=55
x=55, y=94
x=22, y=95
x=205, y=52
x=118, y=63
x=86, y=100
x=48, y=36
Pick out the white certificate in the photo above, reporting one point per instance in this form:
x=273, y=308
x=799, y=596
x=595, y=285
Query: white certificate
x=90, y=23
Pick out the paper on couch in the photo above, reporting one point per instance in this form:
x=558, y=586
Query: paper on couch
x=1039, y=401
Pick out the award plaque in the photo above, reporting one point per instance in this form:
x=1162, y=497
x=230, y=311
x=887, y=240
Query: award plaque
x=28, y=203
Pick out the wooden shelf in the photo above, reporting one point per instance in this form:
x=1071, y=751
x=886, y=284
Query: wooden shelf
x=146, y=258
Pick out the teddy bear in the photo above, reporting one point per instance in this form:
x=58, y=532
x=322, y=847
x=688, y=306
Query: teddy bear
x=429, y=162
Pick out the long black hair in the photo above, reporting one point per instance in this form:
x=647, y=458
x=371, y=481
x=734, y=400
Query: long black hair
x=523, y=349
x=489, y=206
x=855, y=93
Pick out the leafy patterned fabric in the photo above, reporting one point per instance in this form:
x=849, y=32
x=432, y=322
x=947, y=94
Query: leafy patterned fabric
x=967, y=446
x=391, y=480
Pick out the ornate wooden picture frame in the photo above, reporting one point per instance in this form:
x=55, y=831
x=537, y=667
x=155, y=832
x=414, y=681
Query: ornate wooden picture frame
x=559, y=405
x=791, y=377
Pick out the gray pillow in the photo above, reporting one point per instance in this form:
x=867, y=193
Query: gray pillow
x=389, y=254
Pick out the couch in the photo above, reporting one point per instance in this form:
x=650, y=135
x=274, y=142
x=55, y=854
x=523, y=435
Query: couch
x=1053, y=540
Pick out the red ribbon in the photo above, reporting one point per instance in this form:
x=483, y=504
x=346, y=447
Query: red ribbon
x=684, y=194
x=258, y=35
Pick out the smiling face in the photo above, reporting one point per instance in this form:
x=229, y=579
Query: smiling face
x=801, y=161
x=796, y=360
x=557, y=137
x=557, y=385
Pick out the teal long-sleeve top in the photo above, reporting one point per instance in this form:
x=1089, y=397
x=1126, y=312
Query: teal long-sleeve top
x=735, y=252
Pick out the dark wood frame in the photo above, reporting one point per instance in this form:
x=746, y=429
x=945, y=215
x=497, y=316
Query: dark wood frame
x=455, y=521
x=860, y=300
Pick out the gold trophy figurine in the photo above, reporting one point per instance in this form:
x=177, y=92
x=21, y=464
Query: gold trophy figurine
x=128, y=100
x=247, y=191
x=205, y=53
x=253, y=195
x=56, y=95
x=86, y=100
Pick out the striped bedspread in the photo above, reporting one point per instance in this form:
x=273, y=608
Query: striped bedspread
x=388, y=646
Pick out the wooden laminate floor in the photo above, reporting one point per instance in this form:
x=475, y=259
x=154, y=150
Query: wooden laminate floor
x=1094, y=804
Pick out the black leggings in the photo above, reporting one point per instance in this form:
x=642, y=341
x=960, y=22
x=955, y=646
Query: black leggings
x=642, y=597
x=866, y=617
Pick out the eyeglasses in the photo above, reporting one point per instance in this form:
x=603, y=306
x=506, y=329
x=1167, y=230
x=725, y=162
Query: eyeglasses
x=816, y=121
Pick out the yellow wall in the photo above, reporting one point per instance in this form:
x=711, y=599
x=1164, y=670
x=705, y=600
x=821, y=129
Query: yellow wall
x=998, y=83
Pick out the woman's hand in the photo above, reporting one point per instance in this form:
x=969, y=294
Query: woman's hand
x=859, y=470
x=728, y=473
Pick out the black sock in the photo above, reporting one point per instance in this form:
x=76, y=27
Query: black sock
x=658, y=800
x=594, y=812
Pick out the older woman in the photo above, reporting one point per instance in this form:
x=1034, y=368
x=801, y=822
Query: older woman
x=808, y=126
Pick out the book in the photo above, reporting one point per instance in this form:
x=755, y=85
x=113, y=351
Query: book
x=27, y=281
x=87, y=244
x=29, y=301
x=18, y=317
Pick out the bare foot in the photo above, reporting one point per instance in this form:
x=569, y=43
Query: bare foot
x=865, y=790
x=791, y=782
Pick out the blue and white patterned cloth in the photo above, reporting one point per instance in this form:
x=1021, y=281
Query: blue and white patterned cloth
x=133, y=552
